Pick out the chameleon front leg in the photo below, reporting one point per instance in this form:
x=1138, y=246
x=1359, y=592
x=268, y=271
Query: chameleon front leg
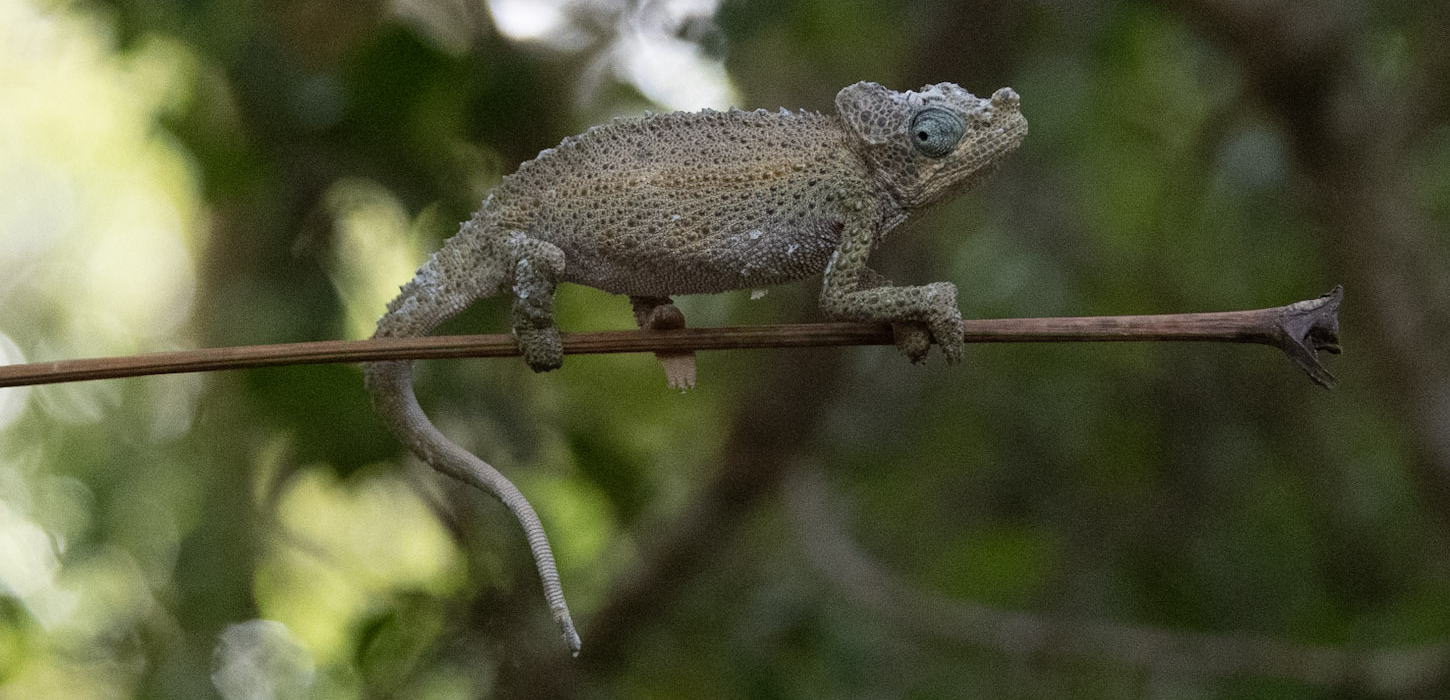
x=660, y=313
x=537, y=266
x=912, y=338
x=854, y=292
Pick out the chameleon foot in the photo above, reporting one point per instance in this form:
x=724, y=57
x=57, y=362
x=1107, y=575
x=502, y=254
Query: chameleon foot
x=945, y=321
x=913, y=340
x=658, y=313
x=541, y=347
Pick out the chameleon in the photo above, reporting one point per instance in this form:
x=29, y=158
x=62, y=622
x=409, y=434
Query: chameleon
x=694, y=203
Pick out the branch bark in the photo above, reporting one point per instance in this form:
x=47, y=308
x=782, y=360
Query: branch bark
x=1300, y=329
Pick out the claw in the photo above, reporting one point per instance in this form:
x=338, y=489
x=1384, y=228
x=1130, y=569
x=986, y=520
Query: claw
x=948, y=334
x=1306, y=327
x=952, y=352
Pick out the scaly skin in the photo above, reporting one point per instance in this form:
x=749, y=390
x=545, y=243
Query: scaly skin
x=690, y=203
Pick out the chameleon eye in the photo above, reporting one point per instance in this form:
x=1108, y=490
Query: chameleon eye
x=936, y=131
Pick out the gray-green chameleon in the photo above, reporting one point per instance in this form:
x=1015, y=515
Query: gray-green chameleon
x=690, y=203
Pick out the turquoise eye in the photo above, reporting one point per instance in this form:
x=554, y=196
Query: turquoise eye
x=936, y=131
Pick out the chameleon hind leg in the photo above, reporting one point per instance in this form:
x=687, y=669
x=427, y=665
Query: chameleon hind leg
x=537, y=267
x=660, y=313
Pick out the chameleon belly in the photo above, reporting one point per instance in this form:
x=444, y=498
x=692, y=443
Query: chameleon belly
x=668, y=262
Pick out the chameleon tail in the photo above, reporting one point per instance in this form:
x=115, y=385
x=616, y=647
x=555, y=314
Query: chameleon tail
x=432, y=297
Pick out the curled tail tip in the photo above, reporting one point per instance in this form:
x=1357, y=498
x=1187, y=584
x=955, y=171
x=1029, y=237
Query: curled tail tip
x=571, y=635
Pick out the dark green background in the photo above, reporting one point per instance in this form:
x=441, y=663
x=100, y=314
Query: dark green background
x=1087, y=521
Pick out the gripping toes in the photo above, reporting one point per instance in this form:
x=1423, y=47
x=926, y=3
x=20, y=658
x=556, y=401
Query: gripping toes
x=919, y=316
x=945, y=320
x=541, y=347
x=913, y=339
x=947, y=332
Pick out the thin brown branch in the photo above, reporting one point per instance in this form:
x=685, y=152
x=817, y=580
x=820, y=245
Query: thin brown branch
x=1307, y=63
x=1300, y=329
x=826, y=544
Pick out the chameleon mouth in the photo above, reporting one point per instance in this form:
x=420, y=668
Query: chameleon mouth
x=1015, y=130
x=1004, y=133
x=999, y=136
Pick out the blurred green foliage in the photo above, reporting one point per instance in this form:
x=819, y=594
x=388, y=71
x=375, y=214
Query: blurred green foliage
x=213, y=173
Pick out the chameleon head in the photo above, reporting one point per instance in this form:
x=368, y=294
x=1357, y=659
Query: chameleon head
x=925, y=146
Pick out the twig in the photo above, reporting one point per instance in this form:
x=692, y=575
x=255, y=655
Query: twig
x=1300, y=329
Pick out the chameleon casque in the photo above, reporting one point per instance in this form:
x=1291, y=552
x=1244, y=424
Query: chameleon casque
x=691, y=203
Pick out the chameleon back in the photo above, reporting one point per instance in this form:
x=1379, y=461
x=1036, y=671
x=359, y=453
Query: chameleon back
x=690, y=202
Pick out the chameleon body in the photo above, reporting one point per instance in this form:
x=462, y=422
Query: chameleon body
x=689, y=203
